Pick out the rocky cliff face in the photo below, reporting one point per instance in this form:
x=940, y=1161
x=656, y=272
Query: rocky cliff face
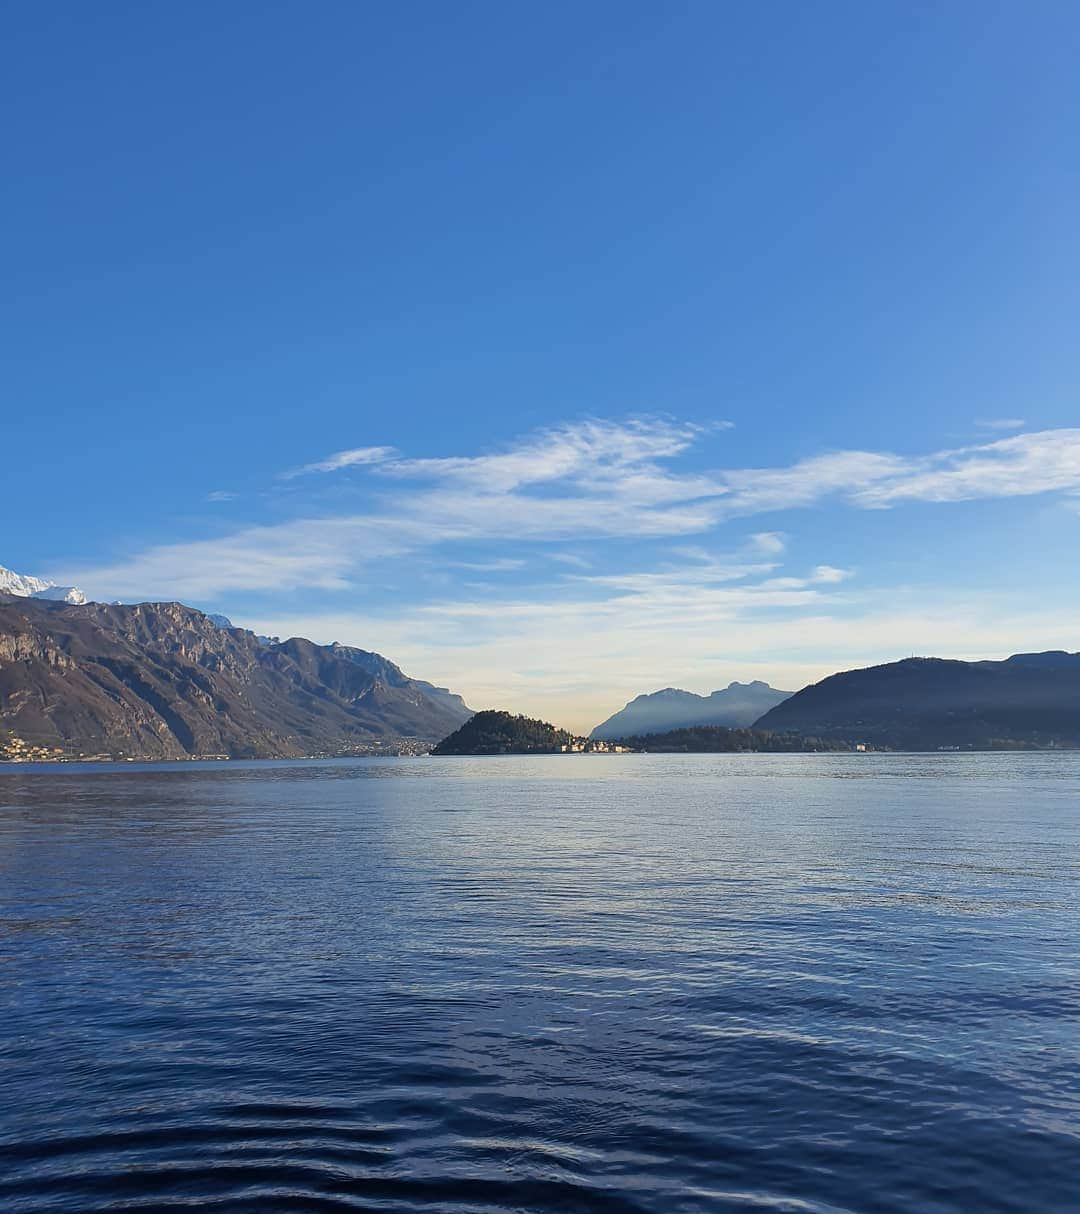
x=161, y=680
x=376, y=664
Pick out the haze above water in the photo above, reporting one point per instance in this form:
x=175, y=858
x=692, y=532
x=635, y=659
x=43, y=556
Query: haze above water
x=823, y=984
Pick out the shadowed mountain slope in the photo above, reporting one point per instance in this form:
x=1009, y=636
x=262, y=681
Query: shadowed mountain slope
x=925, y=703
x=160, y=680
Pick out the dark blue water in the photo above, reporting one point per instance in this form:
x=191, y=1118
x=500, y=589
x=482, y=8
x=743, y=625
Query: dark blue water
x=813, y=984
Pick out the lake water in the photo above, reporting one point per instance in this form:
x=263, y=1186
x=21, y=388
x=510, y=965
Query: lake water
x=816, y=984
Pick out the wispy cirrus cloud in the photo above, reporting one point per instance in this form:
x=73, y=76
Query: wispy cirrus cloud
x=315, y=553
x=771, y=543
x=1026, y=464
x=352, y=458
x=1000, y=423
x=592, y=481
x=829, y=575
x=503, y=564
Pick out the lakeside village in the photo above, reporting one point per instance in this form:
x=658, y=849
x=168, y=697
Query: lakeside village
x=14, y=749
x=593, y=746
x=17, y=750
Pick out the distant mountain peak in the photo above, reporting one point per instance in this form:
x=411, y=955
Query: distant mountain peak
x=26, y=587
x=735, y=706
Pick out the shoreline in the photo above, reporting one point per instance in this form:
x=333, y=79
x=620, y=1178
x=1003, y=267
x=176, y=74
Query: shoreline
x=76, y=767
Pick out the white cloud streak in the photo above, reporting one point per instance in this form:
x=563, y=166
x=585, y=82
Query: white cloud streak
x=1000, y=423
x=355, y=457
x=1011, y=467
x=592, y=481
x=771, y=543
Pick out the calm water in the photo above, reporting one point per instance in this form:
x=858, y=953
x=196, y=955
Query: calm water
x=813, y=984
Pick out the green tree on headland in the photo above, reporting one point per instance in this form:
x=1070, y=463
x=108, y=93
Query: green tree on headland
x=501, y=733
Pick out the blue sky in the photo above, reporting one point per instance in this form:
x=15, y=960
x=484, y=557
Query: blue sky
x=672, y=343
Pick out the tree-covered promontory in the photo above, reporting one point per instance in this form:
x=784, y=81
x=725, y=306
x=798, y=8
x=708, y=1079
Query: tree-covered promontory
x=715, y=739
x=501, y=733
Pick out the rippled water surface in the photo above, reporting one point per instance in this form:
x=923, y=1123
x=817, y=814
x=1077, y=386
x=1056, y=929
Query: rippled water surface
x=816, y=984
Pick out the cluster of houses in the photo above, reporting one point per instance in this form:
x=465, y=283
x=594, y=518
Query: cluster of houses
x=594, y=746
x=18, y=750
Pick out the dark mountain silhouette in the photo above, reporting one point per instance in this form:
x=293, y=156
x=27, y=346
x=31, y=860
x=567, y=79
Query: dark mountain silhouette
x=161, y=680
x=1028, y=700
x=738, y=705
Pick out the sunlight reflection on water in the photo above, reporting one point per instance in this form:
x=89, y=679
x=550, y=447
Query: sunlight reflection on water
x=641, y=983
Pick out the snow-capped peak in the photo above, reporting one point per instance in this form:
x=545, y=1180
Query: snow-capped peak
x=37, y=588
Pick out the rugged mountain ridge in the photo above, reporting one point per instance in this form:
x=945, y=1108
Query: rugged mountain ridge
x=391, y=673
x=736, y=706
x=161, y=680
x=930, y=703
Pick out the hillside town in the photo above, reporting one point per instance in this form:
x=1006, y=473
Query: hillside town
x=17, y=750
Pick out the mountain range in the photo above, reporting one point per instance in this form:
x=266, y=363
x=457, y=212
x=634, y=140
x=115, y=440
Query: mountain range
x=736, y=706
x=1030, y=699
x=161, y=680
